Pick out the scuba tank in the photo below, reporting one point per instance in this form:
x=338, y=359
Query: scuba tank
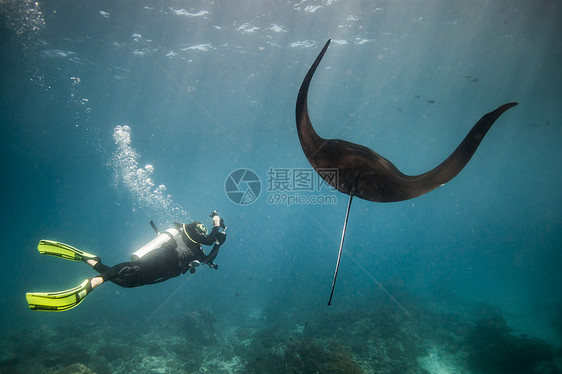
x=155, y=243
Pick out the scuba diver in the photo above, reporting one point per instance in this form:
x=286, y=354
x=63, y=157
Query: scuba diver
x=173, y=252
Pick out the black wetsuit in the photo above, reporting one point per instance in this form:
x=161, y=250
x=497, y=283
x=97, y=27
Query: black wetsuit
x=163, y=263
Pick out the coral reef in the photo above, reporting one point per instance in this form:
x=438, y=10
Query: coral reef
x=306, y=356
x=75, y=369
x=493, y=349
x=385, y=338
x=174, y=344
x=382, y=339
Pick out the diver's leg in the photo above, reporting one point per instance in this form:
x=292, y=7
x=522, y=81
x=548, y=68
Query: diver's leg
x=96, y=281
x=93, y=262
x=125, y=274
x=96, y=264
x=118, y=274
x=159, y=265
x=100, y=268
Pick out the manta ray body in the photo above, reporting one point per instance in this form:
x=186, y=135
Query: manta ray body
x=364, y=173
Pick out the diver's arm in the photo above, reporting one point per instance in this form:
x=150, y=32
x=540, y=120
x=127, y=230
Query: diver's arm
x=221, y=238
x=213, y=254
x=210, y=239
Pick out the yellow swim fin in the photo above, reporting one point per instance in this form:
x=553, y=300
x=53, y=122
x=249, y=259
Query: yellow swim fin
x=57, y=249
x=58, y=301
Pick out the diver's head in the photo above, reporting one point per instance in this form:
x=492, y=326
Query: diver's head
x=201, y=229
x=195, y=231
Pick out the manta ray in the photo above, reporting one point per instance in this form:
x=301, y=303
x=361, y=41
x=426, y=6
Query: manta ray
x=364, y=173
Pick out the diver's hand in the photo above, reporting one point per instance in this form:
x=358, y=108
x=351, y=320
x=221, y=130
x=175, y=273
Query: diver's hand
x=222, y=224
x=212, y=265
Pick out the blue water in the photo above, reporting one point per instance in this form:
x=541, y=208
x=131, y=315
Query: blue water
x=208, y=87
